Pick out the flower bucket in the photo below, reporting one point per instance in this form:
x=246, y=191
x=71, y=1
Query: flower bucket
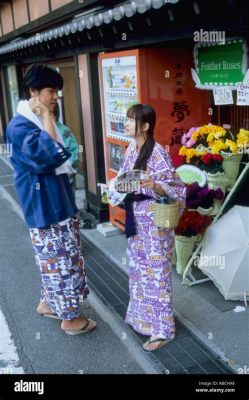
x=184, y=247
x=217, y=180
x=231, y=164
x=216, y=207
x=166, y=215
x=205, y=211
x=173, y=260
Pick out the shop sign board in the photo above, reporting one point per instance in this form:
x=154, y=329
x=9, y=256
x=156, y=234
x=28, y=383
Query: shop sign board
x=220, y=65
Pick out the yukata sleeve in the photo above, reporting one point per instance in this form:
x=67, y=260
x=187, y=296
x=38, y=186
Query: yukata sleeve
x=166, y=176
x=35, y=149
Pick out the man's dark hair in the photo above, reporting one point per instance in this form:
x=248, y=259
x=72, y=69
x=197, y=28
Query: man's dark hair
x=40, y=76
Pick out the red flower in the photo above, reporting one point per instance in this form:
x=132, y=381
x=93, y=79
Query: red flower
x=192, y=223
x=207, y=158
x=178, y=160
x=217, y=157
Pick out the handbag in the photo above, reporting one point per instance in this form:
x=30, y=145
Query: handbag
x=166, y=215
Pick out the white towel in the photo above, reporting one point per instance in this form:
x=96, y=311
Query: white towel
x=24, y=109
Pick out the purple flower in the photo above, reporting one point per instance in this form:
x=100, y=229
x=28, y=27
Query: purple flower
x=184, y=139
x=191, y=131
x=218, y=194
x=190, y=143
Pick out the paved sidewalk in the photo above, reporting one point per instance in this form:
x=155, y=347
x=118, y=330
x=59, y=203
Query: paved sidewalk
x=201, y=309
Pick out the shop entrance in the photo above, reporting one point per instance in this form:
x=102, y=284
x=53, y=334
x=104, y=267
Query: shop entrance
x=69, y=104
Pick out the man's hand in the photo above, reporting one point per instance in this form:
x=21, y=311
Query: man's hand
x=37, y=107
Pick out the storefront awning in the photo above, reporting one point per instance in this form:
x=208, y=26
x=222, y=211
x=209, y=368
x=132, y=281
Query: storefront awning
x=124, y=10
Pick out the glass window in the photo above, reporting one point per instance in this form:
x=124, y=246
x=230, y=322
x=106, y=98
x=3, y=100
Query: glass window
x=12, y=89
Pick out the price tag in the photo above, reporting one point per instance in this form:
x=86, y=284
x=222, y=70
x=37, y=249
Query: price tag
x=223, y=95
x=243, y=94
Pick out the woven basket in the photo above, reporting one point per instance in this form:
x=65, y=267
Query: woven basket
x=166, y=215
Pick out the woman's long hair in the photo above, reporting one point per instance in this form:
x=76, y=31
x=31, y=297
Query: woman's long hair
x=143, y=113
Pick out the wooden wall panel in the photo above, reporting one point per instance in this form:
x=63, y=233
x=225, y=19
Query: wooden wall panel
x=6, y=17
x=59, y=3
x=20, y=12
x=38, y=8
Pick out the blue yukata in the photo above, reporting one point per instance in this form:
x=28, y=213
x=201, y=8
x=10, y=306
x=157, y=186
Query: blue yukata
x=49, y=210
x=150, y=310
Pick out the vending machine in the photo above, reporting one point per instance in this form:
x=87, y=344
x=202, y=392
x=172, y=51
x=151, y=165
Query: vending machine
x=159, y=77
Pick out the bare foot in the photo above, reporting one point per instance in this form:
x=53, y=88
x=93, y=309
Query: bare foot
x=155, y=343
x=43, y=308
x=73, y=324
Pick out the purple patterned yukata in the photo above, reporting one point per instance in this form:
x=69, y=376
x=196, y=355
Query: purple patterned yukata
x=150, y=250
x=59, y=257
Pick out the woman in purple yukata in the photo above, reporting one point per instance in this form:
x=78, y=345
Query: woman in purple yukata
x=150, y=249
x=41, y=167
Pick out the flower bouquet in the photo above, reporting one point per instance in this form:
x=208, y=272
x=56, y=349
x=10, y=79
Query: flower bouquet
x=196, y=142
x=206, y=201
x=192, y=223
x=213, y=139
x=189, y=229
x=216, y=140
x=211, y=163
x=243, y=141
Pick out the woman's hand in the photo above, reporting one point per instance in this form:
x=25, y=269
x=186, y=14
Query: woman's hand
x=147, y=184
x=37, y=107
x=150, y=184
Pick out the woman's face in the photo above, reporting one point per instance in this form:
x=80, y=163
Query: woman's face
x=47, y=96
x=130, y=127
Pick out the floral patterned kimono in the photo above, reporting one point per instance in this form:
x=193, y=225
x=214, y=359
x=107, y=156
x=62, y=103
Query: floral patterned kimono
x=150, y=250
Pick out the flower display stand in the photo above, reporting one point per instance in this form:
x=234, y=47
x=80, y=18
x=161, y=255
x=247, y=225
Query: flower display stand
x=231, y=164
x=184, y=248
x=188, y=278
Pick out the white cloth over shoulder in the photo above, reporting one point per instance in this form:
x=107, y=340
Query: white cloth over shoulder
x=24, y=109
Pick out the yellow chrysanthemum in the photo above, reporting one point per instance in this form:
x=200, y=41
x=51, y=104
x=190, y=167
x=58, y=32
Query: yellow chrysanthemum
x=182, y=151
x=243, y=138
x=210, y=137
x=243, y=132
x=232, y=146
x=213, y=131
x=189, y=154
x=217, y=146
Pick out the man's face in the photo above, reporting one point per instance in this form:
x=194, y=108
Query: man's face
x=47, y=96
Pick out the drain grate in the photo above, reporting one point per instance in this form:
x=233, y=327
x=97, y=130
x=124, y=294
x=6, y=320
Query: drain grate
x=184, y=355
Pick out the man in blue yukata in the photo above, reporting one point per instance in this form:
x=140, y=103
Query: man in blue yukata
x=41, y=168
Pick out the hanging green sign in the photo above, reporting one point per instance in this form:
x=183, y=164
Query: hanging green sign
x=220, y=64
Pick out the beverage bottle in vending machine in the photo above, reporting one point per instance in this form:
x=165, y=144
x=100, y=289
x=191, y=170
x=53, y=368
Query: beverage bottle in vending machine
x=109, y=77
